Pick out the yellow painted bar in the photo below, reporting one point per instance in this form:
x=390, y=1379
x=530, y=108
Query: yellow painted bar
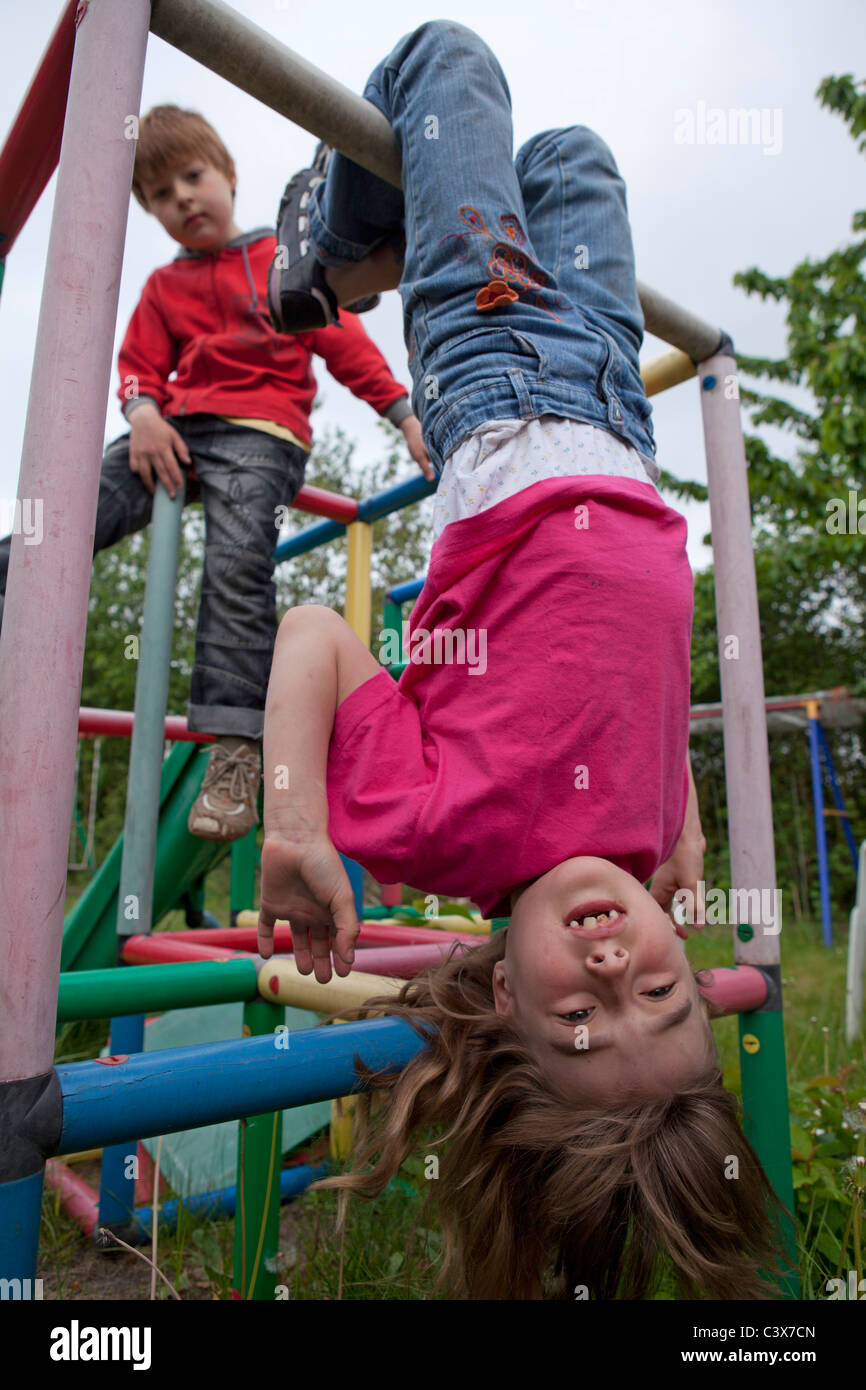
x=281, y=982
x=250, y=918
x=666, y=370
x=358, y=611
x=455, y=923
x=342, y=1131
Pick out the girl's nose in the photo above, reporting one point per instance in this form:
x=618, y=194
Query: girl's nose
x=608, y=959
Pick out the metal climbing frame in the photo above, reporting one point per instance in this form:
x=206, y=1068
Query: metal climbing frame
x=42, y=646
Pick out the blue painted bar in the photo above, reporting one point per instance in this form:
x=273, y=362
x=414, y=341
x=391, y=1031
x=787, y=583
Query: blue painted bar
x=393, y=499
x=117, y=1174
x=223, y=1200
x=355, y=875
x=410, y=588
x=838, y=798
x=187, y=1087
x=20, y=1209
x=309, y=539
x=820, y=833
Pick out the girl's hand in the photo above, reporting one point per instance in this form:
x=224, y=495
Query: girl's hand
x=411, y=428
x=684, y=869
x=307, y=884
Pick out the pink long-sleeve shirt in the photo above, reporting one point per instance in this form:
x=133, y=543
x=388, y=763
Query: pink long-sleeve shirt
x=562, y=730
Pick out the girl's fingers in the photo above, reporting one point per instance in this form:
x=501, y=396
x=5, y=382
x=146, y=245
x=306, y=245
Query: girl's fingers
x=266, y=934
x=301, y=949
x=346, y=927
x=322, y=957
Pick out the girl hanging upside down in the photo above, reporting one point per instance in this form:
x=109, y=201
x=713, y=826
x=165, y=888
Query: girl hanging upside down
x=573, y=1069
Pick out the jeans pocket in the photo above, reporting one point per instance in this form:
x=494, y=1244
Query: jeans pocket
x=492, y=350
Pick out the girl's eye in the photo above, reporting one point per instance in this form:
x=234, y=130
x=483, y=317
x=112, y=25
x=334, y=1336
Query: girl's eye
x=660, y=992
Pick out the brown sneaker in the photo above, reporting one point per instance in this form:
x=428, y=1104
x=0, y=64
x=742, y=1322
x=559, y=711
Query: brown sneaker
x=226, y=806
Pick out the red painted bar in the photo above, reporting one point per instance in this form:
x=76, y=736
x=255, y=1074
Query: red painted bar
x=237, y=939
x=117, y=723
x=371, y=934
x=319, y=502
x=32, y=149
x=161, y=949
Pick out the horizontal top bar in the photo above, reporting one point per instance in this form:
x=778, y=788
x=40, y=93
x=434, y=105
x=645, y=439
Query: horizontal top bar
x=222, y=40
x=410, y=588
x=320, y=502
x=117, y=723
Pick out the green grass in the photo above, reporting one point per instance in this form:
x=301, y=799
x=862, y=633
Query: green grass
x=388, y=1252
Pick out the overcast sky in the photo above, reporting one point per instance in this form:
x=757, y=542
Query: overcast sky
x=699, y=211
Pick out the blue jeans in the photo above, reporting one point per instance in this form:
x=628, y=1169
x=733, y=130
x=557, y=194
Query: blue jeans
x=552, y=224
x=243, y=476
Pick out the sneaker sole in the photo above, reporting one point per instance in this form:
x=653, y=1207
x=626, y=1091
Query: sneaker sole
x=294, y=303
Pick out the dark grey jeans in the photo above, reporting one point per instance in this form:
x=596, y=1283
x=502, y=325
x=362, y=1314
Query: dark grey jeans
x=243, y=476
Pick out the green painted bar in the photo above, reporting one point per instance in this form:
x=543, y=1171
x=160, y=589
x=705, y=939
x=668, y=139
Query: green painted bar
x=392, y=630
x=242, y=884
x=767, y=1119
x=139, y=989
x=260, y=1159
x=196, y=894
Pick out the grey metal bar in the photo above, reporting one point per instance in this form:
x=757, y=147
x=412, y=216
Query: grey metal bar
x=135, y=896
x=222, y=40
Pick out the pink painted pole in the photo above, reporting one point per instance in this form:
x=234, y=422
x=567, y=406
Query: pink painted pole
x=42, y=646
x=738, y=991
x=747, y=759
x=77, y=1198
x=405, y=961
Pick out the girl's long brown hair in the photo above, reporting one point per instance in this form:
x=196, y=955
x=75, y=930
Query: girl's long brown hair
x=539, y=1197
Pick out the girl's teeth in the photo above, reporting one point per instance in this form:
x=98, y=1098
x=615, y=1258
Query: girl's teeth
x=589, y=922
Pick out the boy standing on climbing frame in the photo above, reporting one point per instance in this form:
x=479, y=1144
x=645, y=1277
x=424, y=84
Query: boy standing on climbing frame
x=211, y=390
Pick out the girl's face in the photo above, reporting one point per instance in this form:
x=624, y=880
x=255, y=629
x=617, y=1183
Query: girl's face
x=609, y=1011
x=193, y=201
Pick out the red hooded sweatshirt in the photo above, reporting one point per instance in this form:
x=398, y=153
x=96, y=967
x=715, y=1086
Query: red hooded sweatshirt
x=204, y=318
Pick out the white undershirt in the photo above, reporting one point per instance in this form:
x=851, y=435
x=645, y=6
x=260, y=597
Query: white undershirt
x=502, y=457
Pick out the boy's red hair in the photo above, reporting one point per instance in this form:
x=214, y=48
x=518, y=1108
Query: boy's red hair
x=168, y=135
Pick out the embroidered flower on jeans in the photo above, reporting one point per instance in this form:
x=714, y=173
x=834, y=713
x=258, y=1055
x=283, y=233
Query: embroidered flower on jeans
x=494, y=294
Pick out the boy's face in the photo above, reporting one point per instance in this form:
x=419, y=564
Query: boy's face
x=193, y=201
x=605, y=1012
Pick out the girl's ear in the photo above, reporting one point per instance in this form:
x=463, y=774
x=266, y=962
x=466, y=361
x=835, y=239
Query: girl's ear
x=502, y=996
